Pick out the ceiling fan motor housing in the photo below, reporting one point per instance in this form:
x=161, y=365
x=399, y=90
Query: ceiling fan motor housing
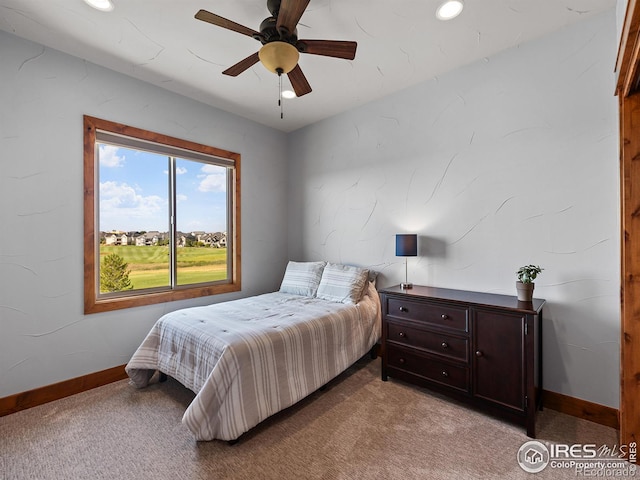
x=270, y=33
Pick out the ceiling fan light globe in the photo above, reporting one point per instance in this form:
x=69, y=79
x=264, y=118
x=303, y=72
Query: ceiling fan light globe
x=279, y=57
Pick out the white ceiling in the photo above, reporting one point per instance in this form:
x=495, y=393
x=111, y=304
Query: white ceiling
x=400, y=43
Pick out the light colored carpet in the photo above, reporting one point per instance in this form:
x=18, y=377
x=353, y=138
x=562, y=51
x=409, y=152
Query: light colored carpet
x=357, y=428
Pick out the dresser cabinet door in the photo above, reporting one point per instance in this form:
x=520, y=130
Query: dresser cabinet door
x=499, y=358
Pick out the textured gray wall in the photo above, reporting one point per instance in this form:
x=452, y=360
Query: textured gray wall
x=44, y=335
x=509, y=161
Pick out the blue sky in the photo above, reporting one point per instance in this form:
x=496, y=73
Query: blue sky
x=134, y=192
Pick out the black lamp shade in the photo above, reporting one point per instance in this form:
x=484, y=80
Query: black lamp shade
x=406, y=245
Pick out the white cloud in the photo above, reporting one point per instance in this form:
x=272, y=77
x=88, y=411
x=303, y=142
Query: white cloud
x=108, y=155
x=181, y=198
x=208, y=168
x=121, y=207
x=179, y=171
x=214, y=179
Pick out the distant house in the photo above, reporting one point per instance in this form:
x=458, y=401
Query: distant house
x=148, y=239
x=216, y=240
x=208, y=239
x=153, y=238
x=181, y=240
x=116, y=238
x=141, y=240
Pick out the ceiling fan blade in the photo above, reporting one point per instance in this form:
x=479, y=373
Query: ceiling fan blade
x=224, y=23
x=299, y=81
x=242, y=65
x=329, y=48
x=289, y=15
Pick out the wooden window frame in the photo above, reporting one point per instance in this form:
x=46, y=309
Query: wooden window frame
x=92, y=301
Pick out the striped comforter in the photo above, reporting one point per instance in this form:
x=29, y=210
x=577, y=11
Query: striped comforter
x=248, y=359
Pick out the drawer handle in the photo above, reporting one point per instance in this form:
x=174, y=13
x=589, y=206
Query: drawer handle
x=445, y=316
x=401, y=334
x=444, y=373
x=401, y=360
x=478, y=353
x=404, y=309
x=445, y=345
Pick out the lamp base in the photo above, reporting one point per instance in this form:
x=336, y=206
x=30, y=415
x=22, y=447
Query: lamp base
x=406, y=285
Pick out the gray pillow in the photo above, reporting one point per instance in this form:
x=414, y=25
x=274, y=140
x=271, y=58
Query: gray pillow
x=342, y=283
x=302, y=278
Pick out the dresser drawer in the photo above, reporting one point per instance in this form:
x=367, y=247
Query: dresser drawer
x=440, y=372
x=430, y=313
x=433, y=342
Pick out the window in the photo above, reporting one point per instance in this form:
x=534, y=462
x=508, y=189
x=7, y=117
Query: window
x=161, y=218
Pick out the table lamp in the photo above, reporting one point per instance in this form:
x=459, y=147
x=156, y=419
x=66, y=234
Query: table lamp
x=406, y=246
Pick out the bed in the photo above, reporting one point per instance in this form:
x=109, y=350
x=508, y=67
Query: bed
x=248, y=359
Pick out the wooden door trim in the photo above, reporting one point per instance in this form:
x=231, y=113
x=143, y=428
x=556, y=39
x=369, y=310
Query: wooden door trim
x=630, y=269
x=627, y=68
x=626, y=63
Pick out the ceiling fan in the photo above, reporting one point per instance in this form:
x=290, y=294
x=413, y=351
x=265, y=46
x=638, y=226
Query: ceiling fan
x=281, y=47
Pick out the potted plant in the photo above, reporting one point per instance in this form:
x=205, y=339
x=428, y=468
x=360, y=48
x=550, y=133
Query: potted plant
x=526, y=275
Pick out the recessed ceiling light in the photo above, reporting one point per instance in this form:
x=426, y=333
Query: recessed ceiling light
x=288, y=94
x=449, y=9
x=102, y=5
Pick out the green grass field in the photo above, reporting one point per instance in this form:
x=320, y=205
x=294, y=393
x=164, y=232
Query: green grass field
x=150, y=265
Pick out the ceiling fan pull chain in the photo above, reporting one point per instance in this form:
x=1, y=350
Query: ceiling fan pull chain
x=280, y=94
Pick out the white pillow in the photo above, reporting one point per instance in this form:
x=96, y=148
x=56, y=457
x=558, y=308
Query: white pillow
x=302, y=278
x=342, y=283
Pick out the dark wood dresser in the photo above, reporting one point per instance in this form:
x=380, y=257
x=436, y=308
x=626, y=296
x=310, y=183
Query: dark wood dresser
x=480, y=348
